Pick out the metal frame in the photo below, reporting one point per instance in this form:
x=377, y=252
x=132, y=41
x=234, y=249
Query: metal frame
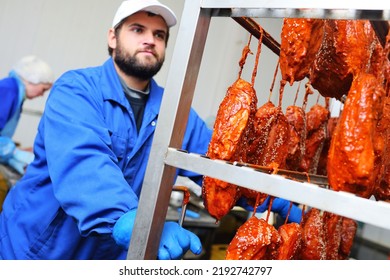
x=183, y=73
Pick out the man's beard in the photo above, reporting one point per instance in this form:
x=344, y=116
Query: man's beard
x=132, y=67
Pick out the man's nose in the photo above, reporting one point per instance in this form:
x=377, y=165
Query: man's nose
x=150, y=38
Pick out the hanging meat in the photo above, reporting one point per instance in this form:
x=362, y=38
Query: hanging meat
x=351, y=160
x=379, y=67
x=300, y=41
x=296, y=117
x=341, y=59
x=272, y=131
x=332, y=230
x=291, y=241
x=255, y=240
x=344, y=52
x=269, y=146
x=313, y=237
x=328, y=52
x=382, y=186
x=316, y=122
x=323, y=160
x=228, y=142
x=348, y=232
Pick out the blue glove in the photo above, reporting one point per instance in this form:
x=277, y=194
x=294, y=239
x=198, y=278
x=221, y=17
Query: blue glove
x=175, y=240
x=282, y=206
x=279, y=205
x=20, y=159
x=123, y=228
x=242, y=201
x=7, y=148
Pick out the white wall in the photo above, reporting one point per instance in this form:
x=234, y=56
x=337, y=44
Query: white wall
x=67, y=34
x=72, y=34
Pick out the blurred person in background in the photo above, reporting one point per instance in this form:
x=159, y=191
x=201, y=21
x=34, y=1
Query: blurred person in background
x=29, y=78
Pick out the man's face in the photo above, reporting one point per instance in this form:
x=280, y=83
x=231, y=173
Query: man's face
x=139, y=49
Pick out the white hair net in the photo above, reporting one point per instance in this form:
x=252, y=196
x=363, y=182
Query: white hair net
x=34, y=70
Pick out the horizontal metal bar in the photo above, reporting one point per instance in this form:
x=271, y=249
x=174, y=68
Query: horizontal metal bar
x=298, y=4
x=311, y=13
x=341, y=203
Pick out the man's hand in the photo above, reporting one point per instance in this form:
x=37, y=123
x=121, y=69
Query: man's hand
x=175, y=240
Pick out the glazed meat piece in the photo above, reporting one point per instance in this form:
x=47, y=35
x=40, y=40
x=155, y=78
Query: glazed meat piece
x=313, y=237
x=291, y=241
x=272, y=133
x=229, y=141
x=345, y=51
x=379, y=68
x=348, y=232
x=322, y=163
x=254, y=240
x=219, y=196
x=332, y=228
x=378, y=62
x=233, y=116
x=269, y=144
x=316, y=121
x=382, y=186
x=296, y=118
x=351, y=160
x=300, y=41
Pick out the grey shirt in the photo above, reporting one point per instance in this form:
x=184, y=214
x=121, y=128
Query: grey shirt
x=137, y=100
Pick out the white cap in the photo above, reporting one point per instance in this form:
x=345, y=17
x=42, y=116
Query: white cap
x=34, y=70
x=129, y=7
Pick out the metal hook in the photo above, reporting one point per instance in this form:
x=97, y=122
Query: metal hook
x=186, y=199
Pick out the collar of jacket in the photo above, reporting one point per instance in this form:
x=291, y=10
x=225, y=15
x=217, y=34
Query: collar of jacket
x=112, y=88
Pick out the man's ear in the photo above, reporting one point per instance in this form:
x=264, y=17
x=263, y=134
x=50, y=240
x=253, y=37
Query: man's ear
x=111, y=38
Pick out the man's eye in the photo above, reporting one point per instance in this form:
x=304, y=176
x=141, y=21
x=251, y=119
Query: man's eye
x=137, y=30
x=160, y=36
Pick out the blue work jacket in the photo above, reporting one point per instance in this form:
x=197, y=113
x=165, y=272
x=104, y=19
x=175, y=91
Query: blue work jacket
x=88, y=169
x=12, y=94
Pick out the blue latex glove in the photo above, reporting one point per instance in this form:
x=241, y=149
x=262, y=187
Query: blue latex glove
x=242, y=201
x=123, y=228
x=20, y=159
x=279, y=205
x=282, y=206
x=7, y=148
x=175, y=240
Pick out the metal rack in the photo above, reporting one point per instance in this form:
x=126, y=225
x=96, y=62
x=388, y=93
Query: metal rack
x=165, y=155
